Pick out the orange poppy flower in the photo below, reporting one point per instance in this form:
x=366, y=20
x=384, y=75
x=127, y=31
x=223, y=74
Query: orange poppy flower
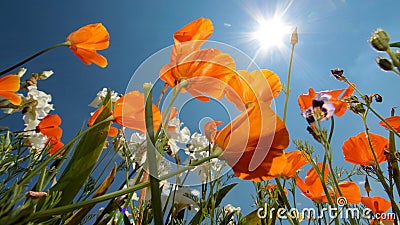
x=356, y=149
x=376, y=204
x=206, y=70
x=55, y=145
x=8, y=85
x=306, y=100
x=252, y=141
x=394, y=121
x=286, y=165
x=129, y=112
x=350, y=191
x=87, y=40
x=49, y=126
x=258, y=85
x=311, y=186
x=112, y=132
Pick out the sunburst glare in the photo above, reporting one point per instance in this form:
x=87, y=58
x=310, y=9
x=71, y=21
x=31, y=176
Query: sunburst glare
x=272, y=32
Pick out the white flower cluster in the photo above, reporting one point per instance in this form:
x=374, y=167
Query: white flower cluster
x=98, y=100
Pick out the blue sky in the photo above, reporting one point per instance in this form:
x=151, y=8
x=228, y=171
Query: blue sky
x=332, y=33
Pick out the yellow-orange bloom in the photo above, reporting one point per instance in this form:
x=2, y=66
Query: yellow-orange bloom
x=287, y=164
x=129, y=112
x=87, y=40
x=8, y=85
x=258, y=85
x=356, y=149
x=207, y=70
x=252, y=140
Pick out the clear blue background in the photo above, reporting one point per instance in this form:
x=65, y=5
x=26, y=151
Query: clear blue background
x=332, y=33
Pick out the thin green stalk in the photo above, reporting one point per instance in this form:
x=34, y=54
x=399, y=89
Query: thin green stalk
x=67, y=43
x=393, y=160
x=152, y=157
x=288, y=86
x=379, y=173
x=285, y=200
x=67, y=208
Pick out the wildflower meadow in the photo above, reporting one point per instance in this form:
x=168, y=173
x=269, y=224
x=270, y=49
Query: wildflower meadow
x=202, y=133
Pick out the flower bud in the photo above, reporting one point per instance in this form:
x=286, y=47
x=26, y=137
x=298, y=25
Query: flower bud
x=337, y=73
x=294, y=39
x=384, y=63
x=45, y=74
x=367, y=187
x=380, y=40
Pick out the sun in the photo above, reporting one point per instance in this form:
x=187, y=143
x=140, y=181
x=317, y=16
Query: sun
x=272, y=32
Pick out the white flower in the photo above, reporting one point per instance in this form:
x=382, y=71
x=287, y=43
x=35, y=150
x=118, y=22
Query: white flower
x=36, y=140
x=98, y=100
x=138, y=146
x=40, y=104
x=230, y=209
x=177, y=135
x=181, y=196
x=196, y=145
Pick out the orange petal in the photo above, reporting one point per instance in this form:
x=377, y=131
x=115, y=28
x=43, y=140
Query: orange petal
x=92, y=36
x=376, y=204
x=55, y=145
x=252, y=141
x=10, y=83
x=113, y=132
x=129, y=112
x=49, y=126
x=394, y=121
x=356, y=149
x=91, y=56
x=200, y=29
x=350, y=191
x=11, y=97
x=305, y=100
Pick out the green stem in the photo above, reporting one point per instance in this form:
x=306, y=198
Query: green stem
x=288, y=86
x=285, y=200
x=152, y=157
x=67, y=43
x=393, y=160
x=67, y=208
x=379, y=172
x=47, y=161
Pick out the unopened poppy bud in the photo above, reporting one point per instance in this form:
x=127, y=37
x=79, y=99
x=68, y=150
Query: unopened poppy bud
x=337, y=73
x=380, y=40
x=378, y=98
x=384, y=63
x=294, y=39
x=367, y=187
x=45, y=74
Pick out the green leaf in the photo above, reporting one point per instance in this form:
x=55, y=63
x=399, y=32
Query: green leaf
x=217, y=196
x=252, y=218
x=84, y=158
